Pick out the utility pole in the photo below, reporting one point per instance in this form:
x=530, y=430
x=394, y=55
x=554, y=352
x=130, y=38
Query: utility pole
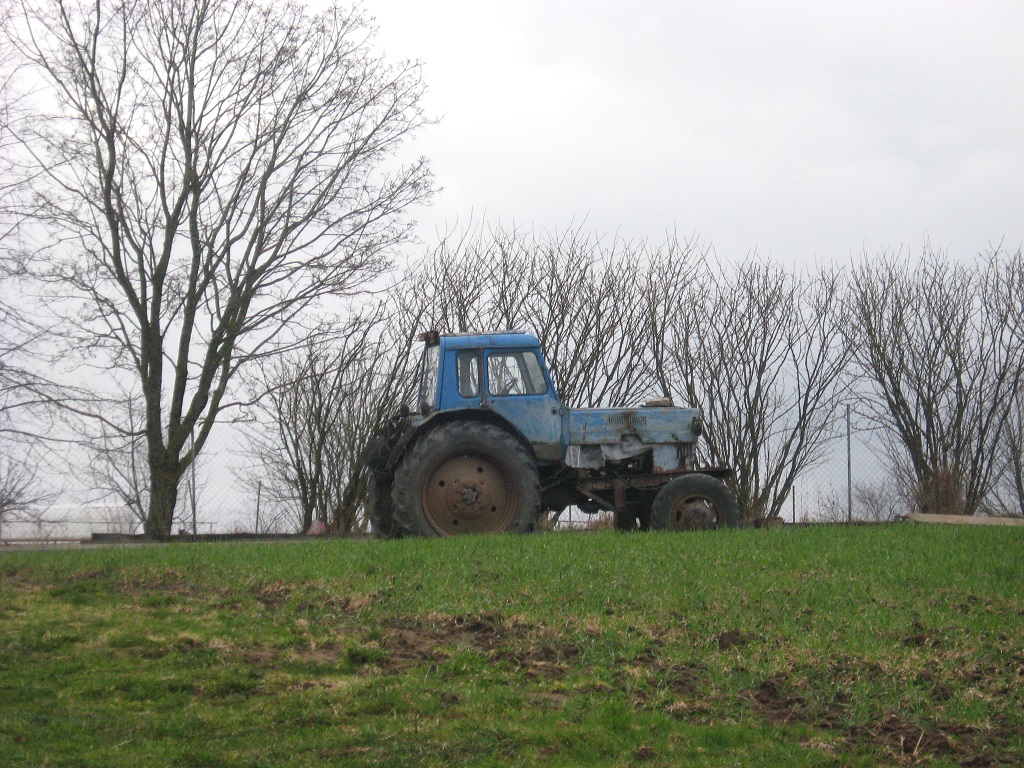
x=192, y=437
x=259, y=493
x=849, y=470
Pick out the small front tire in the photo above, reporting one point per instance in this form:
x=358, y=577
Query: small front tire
x=694, y=502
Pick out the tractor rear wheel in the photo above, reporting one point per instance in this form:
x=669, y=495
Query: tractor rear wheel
x=466, y=477
x=694, y=502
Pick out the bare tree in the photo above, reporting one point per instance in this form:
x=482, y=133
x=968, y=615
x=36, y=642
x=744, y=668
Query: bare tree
x=761, y=352
x=1008, y=492
x=213, y=170
x=582, y=298
x=872, y=503
x=830, y=509
x=12, y=338
x=117, y=466
x=267, y=516
x=325, y=402
x=17, y=489
x=453, y=284
x=934, y=341
x=589, y=317
x=22, y=389
x=878, y=503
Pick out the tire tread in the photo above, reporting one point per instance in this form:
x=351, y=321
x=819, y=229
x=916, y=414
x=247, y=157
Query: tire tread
x=425, y=450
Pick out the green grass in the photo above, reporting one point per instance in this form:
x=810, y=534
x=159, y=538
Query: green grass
x=823, y=646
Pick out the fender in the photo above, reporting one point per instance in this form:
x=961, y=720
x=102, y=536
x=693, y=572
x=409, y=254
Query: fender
x=420, y=425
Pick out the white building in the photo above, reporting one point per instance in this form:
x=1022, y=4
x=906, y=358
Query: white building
x=68, y=522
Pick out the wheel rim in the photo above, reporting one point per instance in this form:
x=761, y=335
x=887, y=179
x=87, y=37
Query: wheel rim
x=469, y=494
x=694, y=513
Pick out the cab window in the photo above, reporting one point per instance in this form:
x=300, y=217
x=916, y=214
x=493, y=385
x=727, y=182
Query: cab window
x=428, y=388
x=467, y=369
x=515, y=373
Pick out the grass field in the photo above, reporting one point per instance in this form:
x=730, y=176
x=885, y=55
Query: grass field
x=891, y=645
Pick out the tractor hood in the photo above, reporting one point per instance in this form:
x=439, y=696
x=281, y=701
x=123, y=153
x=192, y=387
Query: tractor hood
x=608, y=426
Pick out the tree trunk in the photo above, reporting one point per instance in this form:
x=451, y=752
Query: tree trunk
x=163, y=496
x=345, y=511
x=941, y=491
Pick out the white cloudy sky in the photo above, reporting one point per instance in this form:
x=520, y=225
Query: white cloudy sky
x=803, y=130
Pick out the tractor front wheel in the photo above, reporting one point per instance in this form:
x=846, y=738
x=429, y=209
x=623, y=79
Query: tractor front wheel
x=694, y=502
x=466, y=477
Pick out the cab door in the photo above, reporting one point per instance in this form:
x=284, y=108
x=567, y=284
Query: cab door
x=461, y=379
x=516, y=386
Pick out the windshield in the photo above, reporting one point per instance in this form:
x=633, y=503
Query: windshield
x=428, y=380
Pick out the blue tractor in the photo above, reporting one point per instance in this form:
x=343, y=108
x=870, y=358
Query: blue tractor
x=489, y=446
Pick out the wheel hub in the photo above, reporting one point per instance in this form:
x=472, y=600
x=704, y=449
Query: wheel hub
x=694, y=514
x=468, y=494
x=464, y=499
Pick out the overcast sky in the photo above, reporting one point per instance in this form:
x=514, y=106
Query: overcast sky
x=804, y=130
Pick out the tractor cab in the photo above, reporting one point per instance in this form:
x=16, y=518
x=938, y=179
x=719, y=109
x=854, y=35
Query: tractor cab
x=502, y=374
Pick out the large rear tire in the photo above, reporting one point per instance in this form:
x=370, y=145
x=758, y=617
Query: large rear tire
x=694, y=502
x=466, y=477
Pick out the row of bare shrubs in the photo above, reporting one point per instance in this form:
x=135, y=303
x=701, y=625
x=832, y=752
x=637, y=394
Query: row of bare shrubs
x=928, y=348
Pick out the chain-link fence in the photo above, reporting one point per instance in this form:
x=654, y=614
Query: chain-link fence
x=853, y=482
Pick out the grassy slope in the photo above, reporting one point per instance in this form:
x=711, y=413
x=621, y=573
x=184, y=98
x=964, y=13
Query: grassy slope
x=813, y=646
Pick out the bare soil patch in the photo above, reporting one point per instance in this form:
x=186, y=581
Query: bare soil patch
x=909, y=743
x=535, y=648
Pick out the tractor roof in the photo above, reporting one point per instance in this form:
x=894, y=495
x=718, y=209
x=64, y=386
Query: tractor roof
x=510, y=339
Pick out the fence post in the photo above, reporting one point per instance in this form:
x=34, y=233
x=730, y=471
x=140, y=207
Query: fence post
x=259, y=493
